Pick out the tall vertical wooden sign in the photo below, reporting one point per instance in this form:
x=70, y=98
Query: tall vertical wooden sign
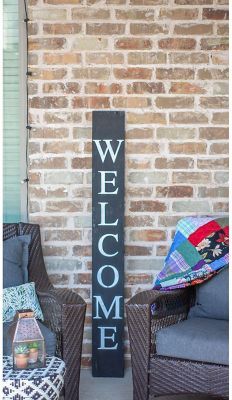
x=108, y=243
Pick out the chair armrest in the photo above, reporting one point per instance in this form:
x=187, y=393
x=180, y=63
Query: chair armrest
x=64, y=313
x=163, y=303
x=169, y=307
x=53, y=303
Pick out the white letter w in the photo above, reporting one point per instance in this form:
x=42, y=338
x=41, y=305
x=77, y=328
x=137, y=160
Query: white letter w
x=108, y=149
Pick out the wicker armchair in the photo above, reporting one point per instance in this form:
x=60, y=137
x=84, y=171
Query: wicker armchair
x=155, y=375
x=64, y=310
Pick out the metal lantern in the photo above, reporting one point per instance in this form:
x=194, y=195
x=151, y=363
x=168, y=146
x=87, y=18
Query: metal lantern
x=28, y=342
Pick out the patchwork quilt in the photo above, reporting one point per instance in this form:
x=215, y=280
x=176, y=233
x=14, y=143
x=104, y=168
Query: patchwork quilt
x=200, y=249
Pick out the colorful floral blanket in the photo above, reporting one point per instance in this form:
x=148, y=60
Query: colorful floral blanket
x=199, y=250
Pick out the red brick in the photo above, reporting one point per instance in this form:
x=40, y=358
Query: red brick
x=55, y=251
x=34, y=148
x=105, y=29
x=138, y=164
x=193, y=2
x=213, y=192
x=174, y=163
x=145, y=87
x=57, y=2
x=177, y=44
x=147, y=206
x=188, y=148
x=220, y=118
x=174, y=73
x=131, y=102
x=61, y=29
x=223, y=29
x=147, y=57
x=91, y=73
x=32, y=88
x=50, y=222
x=49, y=74
x=218, y=43
x=134, y=14
x=33, y=28
x=83, y=278
x=139, y=278
x=208, y=163
x=192, y=177
x=61, y=58
x=214, y=102
x=133, y=44
x=102, y=88
x=64, y=206
x=213, y=13
x=132, y=73
x=139, y=133
x=213, y=73
x=188, y=118
x=91, y=102
x=146, y=118
x=174, y=191
x=137, y=221
x=174, y=102
x=148, y=29
x=186, y=88
x=48, y=163
x=179, y=13
x=48, y=102
x=142, y=148
x=162, y=250
x=147, y=235
x=60, y=87
x=212, y=133
x=137, y=251
x=83, y=251
x=82, y=163
x=34, y=177
x=60, y=117
x=193, y=29
x=219, y=148
x=46, y=44
x=188, y=58
x=88, y=13
x=104, y=58
x=57, y=147
x=221, y=207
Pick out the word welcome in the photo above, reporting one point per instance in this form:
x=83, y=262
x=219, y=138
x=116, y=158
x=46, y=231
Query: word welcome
x=108, y=244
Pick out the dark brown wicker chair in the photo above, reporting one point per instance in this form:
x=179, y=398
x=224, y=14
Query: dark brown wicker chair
x=64, y=310
x=155, y=375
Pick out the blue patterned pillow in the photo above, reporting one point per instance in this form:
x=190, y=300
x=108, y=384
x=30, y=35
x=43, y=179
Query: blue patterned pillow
x=20, y=298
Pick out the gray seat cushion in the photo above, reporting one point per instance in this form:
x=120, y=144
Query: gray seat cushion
x=198, y=339
x=15, y=260
x=49, y=337
x=212, y=298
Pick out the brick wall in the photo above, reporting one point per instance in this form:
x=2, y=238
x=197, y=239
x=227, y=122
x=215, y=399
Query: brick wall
x=165, y=63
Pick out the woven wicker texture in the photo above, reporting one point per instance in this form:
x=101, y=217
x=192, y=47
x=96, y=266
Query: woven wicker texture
x=156, y=375
x=63, y=310
x=179, y=376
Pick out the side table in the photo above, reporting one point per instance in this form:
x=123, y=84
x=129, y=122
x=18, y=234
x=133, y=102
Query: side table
x=36, y=384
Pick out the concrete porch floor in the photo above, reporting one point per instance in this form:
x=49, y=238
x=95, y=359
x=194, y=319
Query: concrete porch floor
x=105, y=388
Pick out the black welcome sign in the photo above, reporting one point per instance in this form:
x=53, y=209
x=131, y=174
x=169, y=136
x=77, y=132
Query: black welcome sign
x=108, y=243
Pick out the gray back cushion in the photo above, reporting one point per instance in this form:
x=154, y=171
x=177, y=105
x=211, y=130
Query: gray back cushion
x=212, y=298
x=15, y=260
